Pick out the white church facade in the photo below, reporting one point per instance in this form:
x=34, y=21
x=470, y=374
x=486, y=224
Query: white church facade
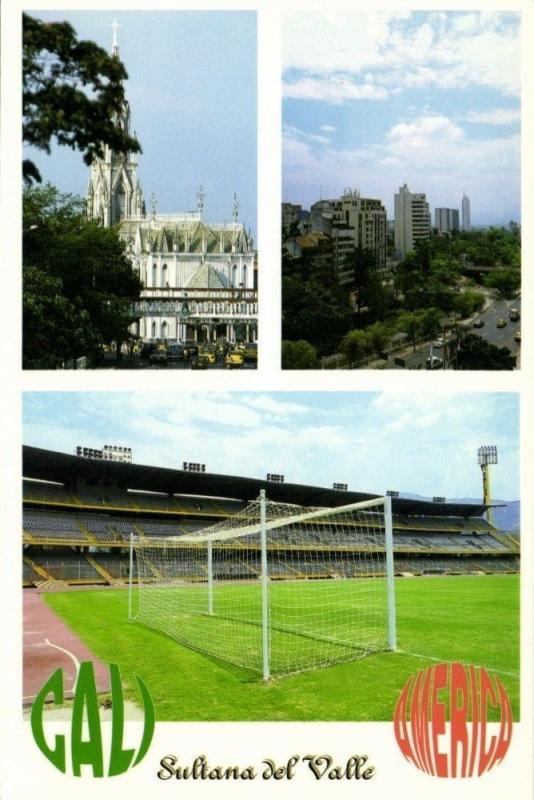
x=199, y=279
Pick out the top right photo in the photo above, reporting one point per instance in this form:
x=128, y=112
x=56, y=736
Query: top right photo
x=401, y=196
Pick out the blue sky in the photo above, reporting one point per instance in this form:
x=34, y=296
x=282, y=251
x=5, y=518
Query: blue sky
x=424, y=444
x=192, y=91
x=373, y=100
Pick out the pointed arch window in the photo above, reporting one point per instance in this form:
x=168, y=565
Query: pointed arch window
x=164, y=329
x=154, y=329
x=164, y=277
x=154, y=274
x=234, y=276
x=245, y=276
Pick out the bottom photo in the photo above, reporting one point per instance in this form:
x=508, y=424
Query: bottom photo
x=281, y=556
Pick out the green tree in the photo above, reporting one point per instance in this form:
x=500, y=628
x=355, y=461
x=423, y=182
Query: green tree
x=378, y=336
x=410, y=324
x=86, y=279
x=506, y=281
x=72, y=90
x=299, y=355
x=315, y=310
x=431, y=322
x=475, y=353
x=356, y=346
x=466, y=303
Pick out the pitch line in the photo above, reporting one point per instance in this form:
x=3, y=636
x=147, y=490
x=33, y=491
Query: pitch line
x=433, y=658
x=70, y=655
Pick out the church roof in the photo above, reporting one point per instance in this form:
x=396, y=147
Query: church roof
x=185, y=234
x=205, y=277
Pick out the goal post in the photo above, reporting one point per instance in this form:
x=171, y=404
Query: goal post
x=276, y=588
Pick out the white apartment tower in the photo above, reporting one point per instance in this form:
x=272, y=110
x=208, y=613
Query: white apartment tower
x=412, y=220
x=466, y=213
x=352, y=221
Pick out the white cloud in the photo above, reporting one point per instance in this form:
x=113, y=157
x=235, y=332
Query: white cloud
x=495, y=116
x=446, y=50
x=328, y=128
x=334, y=89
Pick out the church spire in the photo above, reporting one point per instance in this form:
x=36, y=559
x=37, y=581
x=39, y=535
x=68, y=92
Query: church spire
x=115, y=45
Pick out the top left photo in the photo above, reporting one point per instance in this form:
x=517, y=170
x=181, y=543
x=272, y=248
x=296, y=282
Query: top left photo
x=139, y=190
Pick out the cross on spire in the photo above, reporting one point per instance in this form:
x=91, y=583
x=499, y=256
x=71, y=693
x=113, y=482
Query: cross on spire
x=200, y=200
x=115, y=45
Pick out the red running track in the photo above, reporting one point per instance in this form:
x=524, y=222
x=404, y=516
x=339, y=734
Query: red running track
x=49, y=644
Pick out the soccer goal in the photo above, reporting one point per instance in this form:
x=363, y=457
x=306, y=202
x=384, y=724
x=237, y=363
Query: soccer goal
x=276, y=589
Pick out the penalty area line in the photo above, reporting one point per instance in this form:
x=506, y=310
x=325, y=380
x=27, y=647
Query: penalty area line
x=433, y=658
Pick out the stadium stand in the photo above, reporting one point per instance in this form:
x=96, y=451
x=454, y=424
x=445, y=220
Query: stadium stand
x=78, y=516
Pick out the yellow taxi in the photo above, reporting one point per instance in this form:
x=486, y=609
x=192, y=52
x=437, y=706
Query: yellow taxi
x=235, y=358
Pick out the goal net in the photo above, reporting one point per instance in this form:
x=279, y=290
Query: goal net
x=276, y=589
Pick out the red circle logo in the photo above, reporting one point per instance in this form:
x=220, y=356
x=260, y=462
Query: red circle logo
x=442, y=721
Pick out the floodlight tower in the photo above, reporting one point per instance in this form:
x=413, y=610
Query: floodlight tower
x=487, y=455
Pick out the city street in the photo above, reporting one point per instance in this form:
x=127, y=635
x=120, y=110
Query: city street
x=500, y=337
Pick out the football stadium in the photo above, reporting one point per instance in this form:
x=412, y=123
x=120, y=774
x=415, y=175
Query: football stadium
x=243, y=599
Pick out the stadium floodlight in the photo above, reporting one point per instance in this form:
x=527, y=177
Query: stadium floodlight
x=273, y=477
x=257, y=591
x=438, y=499
x=392, y=493
x=340, y=487
x=487, y=455
x=192, y=466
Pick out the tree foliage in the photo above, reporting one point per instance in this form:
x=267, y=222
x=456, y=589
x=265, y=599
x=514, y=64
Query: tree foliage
x=78, y=282
x=72, y=90
x=299, y=355
x=475, y=353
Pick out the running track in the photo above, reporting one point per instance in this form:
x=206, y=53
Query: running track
x=49, y=644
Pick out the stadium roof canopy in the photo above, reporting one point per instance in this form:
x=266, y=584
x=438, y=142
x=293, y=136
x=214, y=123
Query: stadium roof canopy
x=64, y=468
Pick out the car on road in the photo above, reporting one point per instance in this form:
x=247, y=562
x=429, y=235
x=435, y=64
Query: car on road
x=158, y=355
x=190, y=348
x=478, y=323
x=251, y=351
x=517, y=337
x=235, y=358
x=501, y=323
x=434, y=362
x=199, y=362
x=514, y=314
x=175, y=352
x=209, y=354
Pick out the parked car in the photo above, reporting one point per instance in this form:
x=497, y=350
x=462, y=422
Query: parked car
x=235, y=358
x=517, y=337
x=434, y=362
x=501, y=323
x=478, y=323
x=190, y=348
x=159, y=355
x=209, y=355
x=199, y=362
x=251, y=351
x=175, y=352
x=514, y=314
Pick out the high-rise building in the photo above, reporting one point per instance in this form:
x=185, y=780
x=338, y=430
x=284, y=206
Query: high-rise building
x=466, y=213
x=412, y=220
x=447, y=219
x=353, y=222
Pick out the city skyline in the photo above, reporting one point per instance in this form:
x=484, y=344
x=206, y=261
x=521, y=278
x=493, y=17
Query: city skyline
x=431, y=99
x=179, y=113
x=372, y=441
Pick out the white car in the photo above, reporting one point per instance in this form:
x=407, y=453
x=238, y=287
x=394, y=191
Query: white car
x=434, y=362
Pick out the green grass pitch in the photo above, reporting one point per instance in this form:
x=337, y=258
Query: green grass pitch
x=472, y=619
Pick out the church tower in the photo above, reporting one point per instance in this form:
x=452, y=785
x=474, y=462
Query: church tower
x=114, y=192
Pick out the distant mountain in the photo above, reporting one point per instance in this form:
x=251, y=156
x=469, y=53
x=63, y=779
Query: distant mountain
x=506, y=518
